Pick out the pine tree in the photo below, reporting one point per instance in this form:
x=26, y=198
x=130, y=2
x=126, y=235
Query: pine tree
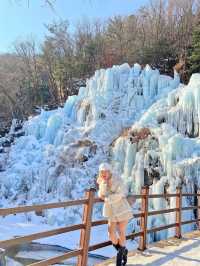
x=194, y=53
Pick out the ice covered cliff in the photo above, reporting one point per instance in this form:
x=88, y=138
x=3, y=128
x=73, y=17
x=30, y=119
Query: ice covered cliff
x=165, y=143
x=134, y=117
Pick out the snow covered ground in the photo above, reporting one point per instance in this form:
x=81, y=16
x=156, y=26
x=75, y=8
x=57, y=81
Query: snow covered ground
x=11, y=227
x=184, y=252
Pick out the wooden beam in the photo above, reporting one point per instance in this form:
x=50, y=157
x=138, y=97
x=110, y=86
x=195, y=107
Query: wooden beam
x=38, y=208
x=161, y=195
x=161, y=211
x=143, y=224
x=85, y=233
x=99, y=222
x=97, y=200
x=188, y=194
x=57, y=259
x=29, y=238
x=100, y=245
x=178, y=212
x=160, y=228
x=190, y=221
x=198, y=209
x=189, y=208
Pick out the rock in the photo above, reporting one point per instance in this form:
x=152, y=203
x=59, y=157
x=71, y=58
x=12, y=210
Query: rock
x=125, y=132
x=161, y=119
x=154, y=174
x=93, y=150
x=59, y=169
x=82, y=158
x=138, y=135
x=19, y=134
x=83, y=143
x=40, y=213
x=18, y=127
x=6, y=143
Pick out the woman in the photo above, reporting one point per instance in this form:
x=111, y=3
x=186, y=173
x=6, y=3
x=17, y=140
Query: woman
x=116, y=209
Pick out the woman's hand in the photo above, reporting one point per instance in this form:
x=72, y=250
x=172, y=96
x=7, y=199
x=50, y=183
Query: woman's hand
x=109, y=182
x=131, y=200
x=99, y=180
x=102, y=197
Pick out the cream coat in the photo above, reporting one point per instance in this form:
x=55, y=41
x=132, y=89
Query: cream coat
x=116, y=207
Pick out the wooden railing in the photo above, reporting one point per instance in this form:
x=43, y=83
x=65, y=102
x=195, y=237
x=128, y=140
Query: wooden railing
x=87, y=223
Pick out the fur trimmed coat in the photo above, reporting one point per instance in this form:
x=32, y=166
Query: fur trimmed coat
x=116, y=208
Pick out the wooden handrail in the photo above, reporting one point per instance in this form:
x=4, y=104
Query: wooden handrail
x=38, y=208
x=107, y=243
x=190, y=194
x=161, y=211
x=190, y=221
x=136, y=196
x=57, y=259
x=99, y=222
x=29, y=238
x=162, y=195
x=87, y=223
x=133, y=235
x=198, y=209
x=160, y=228
x=143, y=221
x=137, y=215
x=100, y=245
x=96, y=200
x=189, y=208
x=85, y=232
x=178, y=212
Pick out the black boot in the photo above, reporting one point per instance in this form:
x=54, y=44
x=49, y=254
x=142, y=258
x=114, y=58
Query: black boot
x=119, y=256
x=124, y=256
x=116, y=246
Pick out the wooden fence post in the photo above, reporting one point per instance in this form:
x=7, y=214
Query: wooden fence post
x=178, y=212
x=143, y=221
x=85, y=233
x=2, y=257
x=198, y=209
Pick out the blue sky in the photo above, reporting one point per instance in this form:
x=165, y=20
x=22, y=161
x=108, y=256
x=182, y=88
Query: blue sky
x=19, y=20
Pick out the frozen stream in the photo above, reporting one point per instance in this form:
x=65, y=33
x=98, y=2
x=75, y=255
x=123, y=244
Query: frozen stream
x=30, y=253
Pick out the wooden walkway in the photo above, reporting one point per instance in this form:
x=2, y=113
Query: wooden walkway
x=171, y=252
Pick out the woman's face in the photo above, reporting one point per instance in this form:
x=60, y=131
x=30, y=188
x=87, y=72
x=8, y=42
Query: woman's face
x=105, y=174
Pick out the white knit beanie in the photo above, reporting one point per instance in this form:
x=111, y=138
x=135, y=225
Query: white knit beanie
x=105, y=166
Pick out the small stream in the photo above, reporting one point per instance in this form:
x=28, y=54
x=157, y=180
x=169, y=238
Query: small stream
x=26, y=254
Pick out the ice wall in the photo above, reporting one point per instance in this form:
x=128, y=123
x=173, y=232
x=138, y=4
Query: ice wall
x=59, y=155
x=185, y=115
x=164, y=142
x=113, y=98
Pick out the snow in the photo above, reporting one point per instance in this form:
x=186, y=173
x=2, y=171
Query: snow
x=15, y=226
x=172, y=252
x=59, y=155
